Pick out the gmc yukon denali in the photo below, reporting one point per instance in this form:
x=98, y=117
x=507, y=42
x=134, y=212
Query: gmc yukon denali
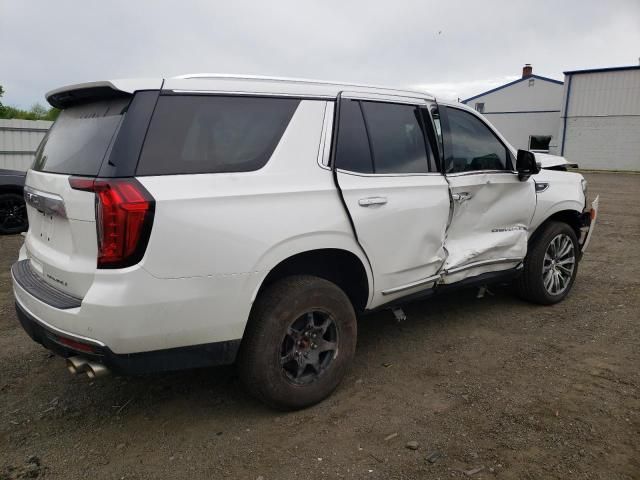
x=213, y=219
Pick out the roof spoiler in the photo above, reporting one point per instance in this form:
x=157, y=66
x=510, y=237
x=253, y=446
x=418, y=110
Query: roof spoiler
x=70, y=95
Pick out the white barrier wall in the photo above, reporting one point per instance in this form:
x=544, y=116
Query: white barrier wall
x=19, y=140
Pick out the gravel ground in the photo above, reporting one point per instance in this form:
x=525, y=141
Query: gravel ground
x=490, y=387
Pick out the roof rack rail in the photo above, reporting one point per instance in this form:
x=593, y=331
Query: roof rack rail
x=190, y=76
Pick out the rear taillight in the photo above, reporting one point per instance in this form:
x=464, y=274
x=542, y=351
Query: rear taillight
x=124, y=216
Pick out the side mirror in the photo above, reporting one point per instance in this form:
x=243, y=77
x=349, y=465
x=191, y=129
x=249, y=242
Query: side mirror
x=526, y=164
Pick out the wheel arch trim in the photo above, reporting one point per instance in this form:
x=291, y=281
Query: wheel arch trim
x=320, y=244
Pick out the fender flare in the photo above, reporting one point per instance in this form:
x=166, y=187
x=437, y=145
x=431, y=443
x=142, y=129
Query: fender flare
x=309, y=242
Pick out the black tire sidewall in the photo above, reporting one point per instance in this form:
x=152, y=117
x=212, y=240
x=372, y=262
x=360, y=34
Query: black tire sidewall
x=275, y=310
x=534, y=281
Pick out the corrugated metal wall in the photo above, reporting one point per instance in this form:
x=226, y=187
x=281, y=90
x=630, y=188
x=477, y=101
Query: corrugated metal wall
x=18, y=142
x=602, y=119
x=605, y=93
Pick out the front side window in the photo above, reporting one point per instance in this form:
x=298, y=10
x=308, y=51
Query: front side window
x=470, y=145
x=397, y=137
x=213, y=134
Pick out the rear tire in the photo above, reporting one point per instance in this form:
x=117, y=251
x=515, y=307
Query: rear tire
x=13, y=214
x=551, y=265
x=298, y=343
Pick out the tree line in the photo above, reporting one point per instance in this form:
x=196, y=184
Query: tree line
x=36, y=112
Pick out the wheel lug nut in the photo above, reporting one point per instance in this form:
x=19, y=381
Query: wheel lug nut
x=314, y=346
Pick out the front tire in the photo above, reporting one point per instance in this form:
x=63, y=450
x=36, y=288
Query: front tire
x=551, y=265
x=299, y=342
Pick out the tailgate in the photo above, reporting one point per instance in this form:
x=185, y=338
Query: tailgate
x=62, y=240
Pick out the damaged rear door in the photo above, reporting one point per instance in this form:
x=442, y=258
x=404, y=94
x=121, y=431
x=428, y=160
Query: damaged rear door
x=396, y=197
x=491, y=206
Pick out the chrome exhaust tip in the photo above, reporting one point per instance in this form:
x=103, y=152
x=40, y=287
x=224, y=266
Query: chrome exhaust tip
x=76, y=365
x=95, y=370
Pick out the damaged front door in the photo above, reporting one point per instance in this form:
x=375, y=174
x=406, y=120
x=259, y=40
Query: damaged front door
x=491, y=207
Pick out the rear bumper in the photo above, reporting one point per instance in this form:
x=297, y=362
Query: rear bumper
x=131, y=311
x=66, y=345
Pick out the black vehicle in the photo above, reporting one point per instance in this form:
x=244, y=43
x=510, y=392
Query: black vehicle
x=13, y=211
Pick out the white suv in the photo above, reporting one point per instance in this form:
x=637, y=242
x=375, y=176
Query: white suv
x=212, y=219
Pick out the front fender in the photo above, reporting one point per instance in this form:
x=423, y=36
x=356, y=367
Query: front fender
x=563, y=193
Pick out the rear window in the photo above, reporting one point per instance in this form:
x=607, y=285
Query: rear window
x=397, y=138
x=78, y=140
x=353, y=153
x=212, y=134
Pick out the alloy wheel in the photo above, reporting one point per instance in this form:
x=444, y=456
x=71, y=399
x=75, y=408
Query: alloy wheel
x=13, y=214
x=558, y=264
x=309, y=347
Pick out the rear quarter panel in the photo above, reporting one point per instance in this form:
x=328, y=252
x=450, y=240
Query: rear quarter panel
x=235, y=227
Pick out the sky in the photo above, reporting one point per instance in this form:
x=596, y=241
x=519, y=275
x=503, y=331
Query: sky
x=453, y=49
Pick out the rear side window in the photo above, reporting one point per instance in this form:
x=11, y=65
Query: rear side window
x=397, y=139
x=352, y=149
x=78, y=140
x=213, y=134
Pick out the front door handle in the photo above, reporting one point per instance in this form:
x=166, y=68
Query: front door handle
x=461, y=197
x=367, y=202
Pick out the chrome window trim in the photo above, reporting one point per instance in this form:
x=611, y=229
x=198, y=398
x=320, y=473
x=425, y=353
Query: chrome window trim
x=324, y=149
x=480, y=172
x=358, y=174
x=301, y=96
x=385, y=98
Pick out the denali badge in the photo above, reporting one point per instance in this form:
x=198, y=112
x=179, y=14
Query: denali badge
x=508, y=229
x=57, y=280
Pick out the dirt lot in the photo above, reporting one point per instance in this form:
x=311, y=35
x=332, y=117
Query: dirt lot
x=522, y=391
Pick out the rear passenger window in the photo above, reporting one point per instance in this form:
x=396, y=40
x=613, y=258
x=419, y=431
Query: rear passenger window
x=352, y=150
x=397, y=138
x=211, y=134
x=470, y=145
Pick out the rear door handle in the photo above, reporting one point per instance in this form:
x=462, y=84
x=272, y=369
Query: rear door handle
x=367, y=202
x=461, y=197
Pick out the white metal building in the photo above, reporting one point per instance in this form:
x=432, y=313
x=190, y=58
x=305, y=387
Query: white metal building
x=19, y=140
x=526, y=111
x=600, y=126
